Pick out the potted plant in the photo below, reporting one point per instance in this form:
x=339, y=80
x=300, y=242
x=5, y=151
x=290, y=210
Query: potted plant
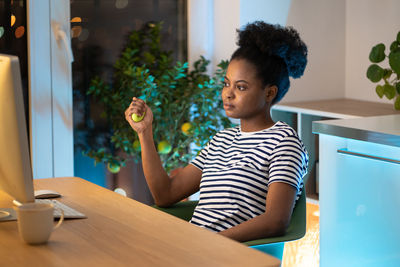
x=390, y=75
x=186, y=104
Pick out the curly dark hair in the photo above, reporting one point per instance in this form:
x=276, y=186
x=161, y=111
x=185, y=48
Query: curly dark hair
x=277, y=53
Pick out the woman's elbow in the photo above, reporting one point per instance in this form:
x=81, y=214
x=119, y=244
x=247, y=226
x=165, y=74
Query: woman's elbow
x=278, y=228
x=163, y=201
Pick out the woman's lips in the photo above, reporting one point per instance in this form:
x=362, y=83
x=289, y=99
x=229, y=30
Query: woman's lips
x=228, y=106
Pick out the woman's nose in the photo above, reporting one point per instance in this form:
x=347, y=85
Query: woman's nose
x=228, y=92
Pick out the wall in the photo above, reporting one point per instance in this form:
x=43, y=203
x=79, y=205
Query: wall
x=200, y=29
x=321, y=25
x=211, y=30
x=339, y=35
x=320, y=22
x=272, y=11
x=368, y=22
x=226, y=21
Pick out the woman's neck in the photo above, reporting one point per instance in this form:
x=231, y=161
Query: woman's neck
x=256, y=124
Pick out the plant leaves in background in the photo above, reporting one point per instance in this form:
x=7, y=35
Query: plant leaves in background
x=375, y=73
x=379, y=90
x=389, y=91
x=174, y=94
x=394, y=46
x=377, y=53
x=387, y=73
x=394, y=61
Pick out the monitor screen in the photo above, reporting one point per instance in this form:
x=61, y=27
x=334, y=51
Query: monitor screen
x=15, y=166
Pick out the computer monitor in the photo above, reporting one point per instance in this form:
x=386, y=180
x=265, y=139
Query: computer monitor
x=15, y=166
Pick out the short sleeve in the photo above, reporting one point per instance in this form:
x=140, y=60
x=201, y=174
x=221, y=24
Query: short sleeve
x=288, y=163
x=200, y=159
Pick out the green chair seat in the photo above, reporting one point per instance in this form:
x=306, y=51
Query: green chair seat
x=183, y=210
x=270, y=245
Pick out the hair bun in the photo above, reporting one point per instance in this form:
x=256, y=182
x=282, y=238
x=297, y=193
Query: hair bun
x=275, y=40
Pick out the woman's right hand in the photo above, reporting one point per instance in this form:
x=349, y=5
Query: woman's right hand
x=138, y=106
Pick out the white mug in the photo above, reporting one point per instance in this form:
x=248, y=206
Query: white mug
x=36, y=222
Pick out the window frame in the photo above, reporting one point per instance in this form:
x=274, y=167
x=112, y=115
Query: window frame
x=50, y=90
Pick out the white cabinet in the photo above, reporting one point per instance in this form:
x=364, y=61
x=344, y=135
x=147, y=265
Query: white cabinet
x=359, y=199
x=301, y=115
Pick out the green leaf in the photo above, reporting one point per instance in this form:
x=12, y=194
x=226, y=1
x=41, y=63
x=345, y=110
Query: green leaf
x=387, y=73
x=379, y=90
x=397, y=103
x=398, y=87
x=377, y=53
x=394, y=46
x=375, y=73
x=394, y=61
x=389, y=91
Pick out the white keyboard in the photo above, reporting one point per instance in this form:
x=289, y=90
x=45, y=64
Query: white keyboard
x=69, y=213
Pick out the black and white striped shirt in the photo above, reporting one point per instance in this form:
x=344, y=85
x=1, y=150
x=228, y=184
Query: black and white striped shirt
x=237, y=168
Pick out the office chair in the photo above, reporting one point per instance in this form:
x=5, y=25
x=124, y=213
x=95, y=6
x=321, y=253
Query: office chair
x=272, y=245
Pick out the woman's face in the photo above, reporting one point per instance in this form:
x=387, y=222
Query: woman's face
x=243, y=94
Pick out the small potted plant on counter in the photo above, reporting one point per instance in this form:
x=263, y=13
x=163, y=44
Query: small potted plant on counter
x=389, y=74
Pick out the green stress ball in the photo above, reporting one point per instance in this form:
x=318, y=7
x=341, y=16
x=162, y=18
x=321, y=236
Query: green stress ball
x=137, y=118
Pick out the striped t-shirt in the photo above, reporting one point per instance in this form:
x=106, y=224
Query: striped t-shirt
x=237, y=168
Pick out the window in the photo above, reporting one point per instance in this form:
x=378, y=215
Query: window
x=13, y=38
x=99, y=30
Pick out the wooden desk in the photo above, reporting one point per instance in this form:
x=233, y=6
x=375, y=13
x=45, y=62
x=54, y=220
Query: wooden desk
x=120, y=232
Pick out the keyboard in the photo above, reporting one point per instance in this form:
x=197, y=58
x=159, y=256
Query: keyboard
x=69, y=213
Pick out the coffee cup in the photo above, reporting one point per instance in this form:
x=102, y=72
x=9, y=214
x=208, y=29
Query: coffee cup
x=36, y=222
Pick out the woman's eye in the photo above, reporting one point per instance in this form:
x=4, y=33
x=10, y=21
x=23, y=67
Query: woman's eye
x=225, y=84
x=240, y=87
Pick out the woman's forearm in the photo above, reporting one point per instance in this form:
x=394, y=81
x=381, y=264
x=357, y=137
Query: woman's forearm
x=261, y=226
x=156, y=177
x=274, y=221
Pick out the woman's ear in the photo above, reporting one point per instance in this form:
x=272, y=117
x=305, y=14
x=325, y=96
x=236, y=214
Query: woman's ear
x=270, y=93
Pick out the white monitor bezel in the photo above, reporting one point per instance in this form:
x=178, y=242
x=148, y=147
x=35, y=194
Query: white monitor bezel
x=15, y=165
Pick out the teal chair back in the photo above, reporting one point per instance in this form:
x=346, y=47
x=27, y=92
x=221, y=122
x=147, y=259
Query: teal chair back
x=271, y=245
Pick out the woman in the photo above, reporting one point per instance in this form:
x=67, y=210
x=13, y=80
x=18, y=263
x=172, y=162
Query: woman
x=249, y=176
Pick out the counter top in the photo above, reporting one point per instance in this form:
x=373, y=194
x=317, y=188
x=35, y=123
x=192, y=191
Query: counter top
x=341, y=108
x=378, y=129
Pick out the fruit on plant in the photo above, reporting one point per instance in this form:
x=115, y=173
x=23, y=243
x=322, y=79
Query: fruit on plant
x=113, y=168
x=186, y=128
x=137, y=118
x=164, y=147
x=136, y=145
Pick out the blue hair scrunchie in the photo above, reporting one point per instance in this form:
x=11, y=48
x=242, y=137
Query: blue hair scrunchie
x=295, y=62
